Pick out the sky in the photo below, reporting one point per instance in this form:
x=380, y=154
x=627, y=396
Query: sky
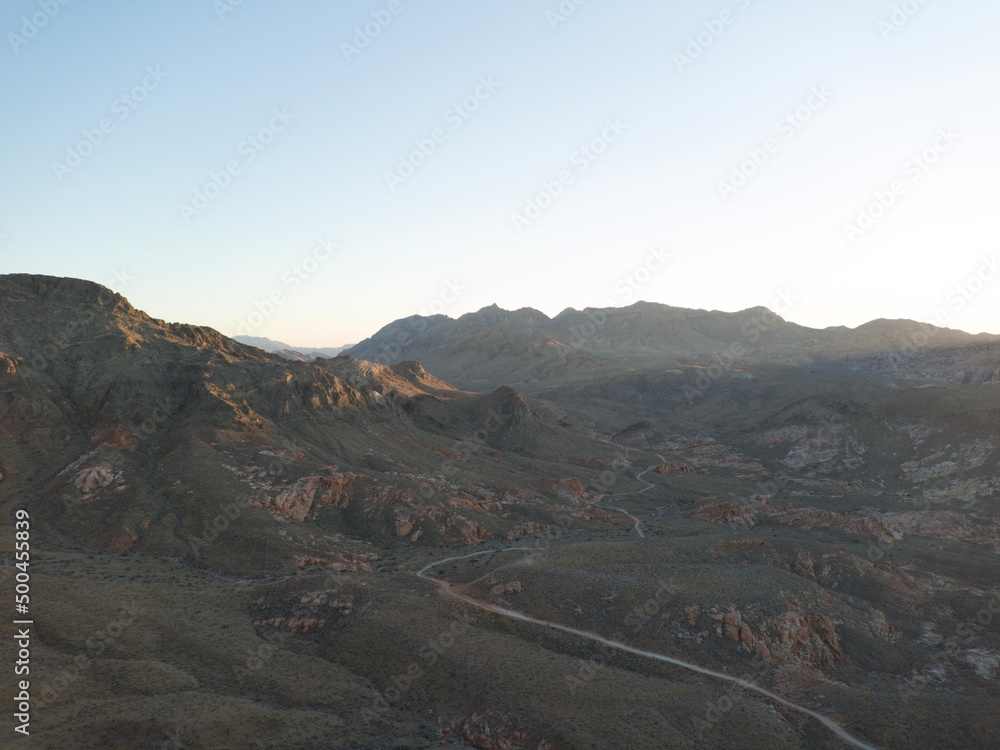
x=310, y=171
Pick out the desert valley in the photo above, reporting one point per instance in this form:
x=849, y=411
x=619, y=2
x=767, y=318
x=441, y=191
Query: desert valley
x=629, y=527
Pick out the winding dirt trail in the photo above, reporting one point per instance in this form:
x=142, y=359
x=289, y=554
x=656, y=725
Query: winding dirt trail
x=448, y=589
x=649, y=486
x=515, y=615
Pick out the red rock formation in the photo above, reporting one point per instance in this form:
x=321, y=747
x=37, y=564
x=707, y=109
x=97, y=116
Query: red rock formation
x=742, y=512
x=116, y=438
x=571, y=489
x=302, y=611
x=513, y=587
x=404, y=525
x=122, y=543
x=670, y=468
x=794, y=638
x=447, y=454
x=492, y=731
x=692, y=614
x=804, y=565
x=731, y=623
x=294, y=455
x=346, y=563
x=297, y=500
x=809, y=638
x=94, y=477
x=463, y=500
x=526, y=528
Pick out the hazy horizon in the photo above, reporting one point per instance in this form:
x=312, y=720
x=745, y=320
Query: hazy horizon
x=312, y=345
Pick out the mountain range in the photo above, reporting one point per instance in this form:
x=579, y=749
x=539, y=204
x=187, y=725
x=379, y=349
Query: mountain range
x=301, y=354
x=635, y=527
x=494, y=344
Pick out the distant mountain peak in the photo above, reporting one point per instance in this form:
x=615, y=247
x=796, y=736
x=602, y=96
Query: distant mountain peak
x=493, y=313
x=105, y=324
x=65, y=290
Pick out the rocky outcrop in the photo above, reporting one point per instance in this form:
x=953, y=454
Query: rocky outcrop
x=298, y=500
x=806, y=639
x=404, y=525
x=804, y=565
x=303, y=610
x=465, y=500
x=732, y=626
x=114, y=438
x=809, y=638
x=511, y=587
x=122, y=543
x=94, y=473
x=742, y=512
x=669, y=468
x=505, y=421
x=491, y=730
x=525, y=529
x=570, y=489
x=342, y=563
x=881, y=526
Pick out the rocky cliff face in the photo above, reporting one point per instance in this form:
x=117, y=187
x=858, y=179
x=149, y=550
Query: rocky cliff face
x=124, y=432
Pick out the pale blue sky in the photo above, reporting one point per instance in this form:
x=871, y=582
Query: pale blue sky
x=449, y=226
